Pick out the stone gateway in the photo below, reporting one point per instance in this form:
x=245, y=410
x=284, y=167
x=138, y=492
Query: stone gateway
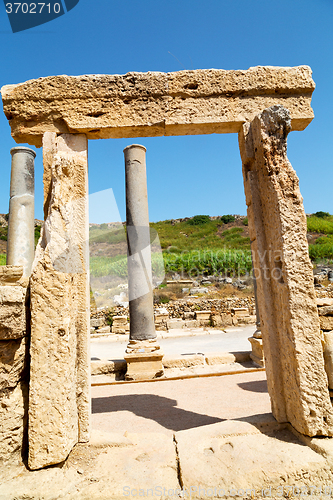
x=49, y=407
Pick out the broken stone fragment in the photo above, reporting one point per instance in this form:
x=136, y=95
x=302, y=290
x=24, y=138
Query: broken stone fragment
x=13, y=415
x=13, y=361
x=12, y=312
x=325, y=311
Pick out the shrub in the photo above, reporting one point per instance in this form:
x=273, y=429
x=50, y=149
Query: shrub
x=227, y=218
x=321, y=215
x=197, y=220
x=245, y=221
x=37, y=234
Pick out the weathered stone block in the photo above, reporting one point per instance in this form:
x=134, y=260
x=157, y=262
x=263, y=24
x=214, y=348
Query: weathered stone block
x=202, y=315
x=119, y=320
x=10, y=275
x=236, y=460
x=144, y=366
x=119, y=329
x=226, y=319
x=97, y=322
x=188, y=315
x=226, y=358
x=296, y=377
x=13, y=361
x=12, y=312
x=13, y=419
x=217, y=320
x=328, y=356
x=183, y=361
x=161, y=318
x=240, y=312
x=326, y=323
x=175, y=323
x=103, y=329
x=192, y=323
x=324, y=302
x=257, y=354
x=155, y=104
x=325, y=311
x=60, y=326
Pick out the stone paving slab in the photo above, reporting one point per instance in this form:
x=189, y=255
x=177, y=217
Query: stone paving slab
x=233, y=458
x=230, y=459
x=152, y=439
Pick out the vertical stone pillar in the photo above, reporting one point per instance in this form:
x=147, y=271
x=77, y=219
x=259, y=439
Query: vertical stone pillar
x=21, y=234
x=59, y=397
x=297, y=382
x=143, y=354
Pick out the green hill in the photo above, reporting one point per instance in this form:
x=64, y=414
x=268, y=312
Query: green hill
x=201, y=243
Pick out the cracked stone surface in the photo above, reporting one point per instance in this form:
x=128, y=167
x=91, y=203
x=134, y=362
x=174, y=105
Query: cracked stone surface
x=203, y=101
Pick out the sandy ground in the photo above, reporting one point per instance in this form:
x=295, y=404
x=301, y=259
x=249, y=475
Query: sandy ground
x=172, y=405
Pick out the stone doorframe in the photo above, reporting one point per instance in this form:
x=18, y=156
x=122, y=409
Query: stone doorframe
x=262, y=105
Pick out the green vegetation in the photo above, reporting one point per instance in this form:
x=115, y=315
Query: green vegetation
x=322, y=249
x=227, y=218
x=117, y=266
x=198, y=220
x=217, y=261
x=320, y=225
x=196, y=246
x=3, y=233
x=104, y=234
x=37, y=234
x=184, y=237
x=321, y=215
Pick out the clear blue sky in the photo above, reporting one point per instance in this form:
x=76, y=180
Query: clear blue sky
x=186, y=175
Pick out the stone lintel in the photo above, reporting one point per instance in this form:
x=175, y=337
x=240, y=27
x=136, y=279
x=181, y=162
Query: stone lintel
x=155, y=104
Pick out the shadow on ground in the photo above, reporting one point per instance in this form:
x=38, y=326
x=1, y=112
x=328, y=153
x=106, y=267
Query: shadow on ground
x=254, y=386
x=163, y=410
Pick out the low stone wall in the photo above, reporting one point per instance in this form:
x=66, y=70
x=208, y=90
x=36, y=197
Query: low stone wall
x=14, y=376
x=194, y=313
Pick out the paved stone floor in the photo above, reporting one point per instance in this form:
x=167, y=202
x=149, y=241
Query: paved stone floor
x=172, y=405
x=194, y=438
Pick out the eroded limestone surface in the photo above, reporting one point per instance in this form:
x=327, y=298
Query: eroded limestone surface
x=155, y=104
x=235, y=459
x=14, y=343
x=297, y=381
x=13, y=302
x=59, y=373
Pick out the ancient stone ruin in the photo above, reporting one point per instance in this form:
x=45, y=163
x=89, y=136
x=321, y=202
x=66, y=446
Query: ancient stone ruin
x=46, y=374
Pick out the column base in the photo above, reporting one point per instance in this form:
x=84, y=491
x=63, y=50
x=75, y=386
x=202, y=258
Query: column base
x=144, y=360
x=257, y=354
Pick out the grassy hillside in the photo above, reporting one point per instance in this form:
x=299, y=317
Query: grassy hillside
x=196, y=245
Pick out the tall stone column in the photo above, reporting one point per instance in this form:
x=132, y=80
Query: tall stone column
x=297, y=382
x=21, y=234
x=59, y=391
x=143, y=354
